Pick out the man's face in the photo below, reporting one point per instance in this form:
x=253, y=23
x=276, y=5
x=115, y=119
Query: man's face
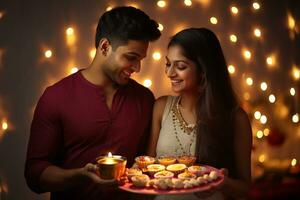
x=124, y=60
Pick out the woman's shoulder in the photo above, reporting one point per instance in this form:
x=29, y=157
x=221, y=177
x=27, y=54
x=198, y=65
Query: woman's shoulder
x=163, y=100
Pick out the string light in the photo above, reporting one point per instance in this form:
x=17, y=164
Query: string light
x=231, y=69
x=161, y=4
x=48, y=53
x=247, y=54
x=295, y=118
x=257, y=115
x=291, y=22
x=92, y=53
x=234, y=10
x=233, y=38
x=256, y=5
x=249, y=81
x=292, y=91
x=4, y=125
x=156, y=55
x=296, y=73
x=263, y=86
x=262, y=158
x=266, y=132
x=1, y=14
x=74, y=70
x=70, y=31
x=188, y=2
x=213, y=20
x=259, y=134
x=147, y=83
x=271, y=61
x=109, y=8
x=293, y=162
x=272, y=98
x=263, y=119
x=246, y=96
x=160, y=27
x=257, y=32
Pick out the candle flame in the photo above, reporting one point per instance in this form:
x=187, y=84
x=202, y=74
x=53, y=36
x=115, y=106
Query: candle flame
x=109, y=155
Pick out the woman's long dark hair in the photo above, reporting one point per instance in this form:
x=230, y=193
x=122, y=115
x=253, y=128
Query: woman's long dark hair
x=217, y=101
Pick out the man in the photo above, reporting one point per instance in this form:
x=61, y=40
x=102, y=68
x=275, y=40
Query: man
x=92, y=112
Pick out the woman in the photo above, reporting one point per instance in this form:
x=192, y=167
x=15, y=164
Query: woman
x=205, y=118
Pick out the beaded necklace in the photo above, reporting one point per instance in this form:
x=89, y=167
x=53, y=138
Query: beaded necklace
x=189, y=129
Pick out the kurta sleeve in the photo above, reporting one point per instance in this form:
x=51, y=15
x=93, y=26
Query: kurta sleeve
x=45, y=139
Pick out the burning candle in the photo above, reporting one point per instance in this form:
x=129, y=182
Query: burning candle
x=111, y=166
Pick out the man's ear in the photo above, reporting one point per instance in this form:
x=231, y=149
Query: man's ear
x=104, y=46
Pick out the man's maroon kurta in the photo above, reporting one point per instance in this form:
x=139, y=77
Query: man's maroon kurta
x=73, y=125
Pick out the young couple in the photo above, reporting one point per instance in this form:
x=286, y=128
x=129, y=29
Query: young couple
x=100, y=109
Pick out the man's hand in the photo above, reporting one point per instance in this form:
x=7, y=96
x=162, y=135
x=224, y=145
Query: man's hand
x=91, y=171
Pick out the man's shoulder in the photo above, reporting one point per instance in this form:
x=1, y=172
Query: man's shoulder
x=139, y=89
x=62, y=86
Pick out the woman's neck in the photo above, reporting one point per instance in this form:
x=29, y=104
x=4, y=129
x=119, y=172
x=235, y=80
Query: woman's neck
x=188, y=101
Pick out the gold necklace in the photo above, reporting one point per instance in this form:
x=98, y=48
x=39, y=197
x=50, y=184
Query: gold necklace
x=177, y=117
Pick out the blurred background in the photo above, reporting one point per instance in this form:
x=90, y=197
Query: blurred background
x=43, y=41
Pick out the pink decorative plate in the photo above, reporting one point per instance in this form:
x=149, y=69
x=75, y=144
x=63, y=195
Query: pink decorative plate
x=153, y=191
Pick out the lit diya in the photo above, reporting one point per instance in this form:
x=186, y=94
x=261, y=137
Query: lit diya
x=111, y=166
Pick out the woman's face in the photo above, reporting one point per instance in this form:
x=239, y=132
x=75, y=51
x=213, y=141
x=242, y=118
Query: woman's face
x=181, y=71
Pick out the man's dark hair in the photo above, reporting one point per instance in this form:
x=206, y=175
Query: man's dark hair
x=126, y=23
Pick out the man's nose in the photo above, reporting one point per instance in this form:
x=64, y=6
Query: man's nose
x=137, y=67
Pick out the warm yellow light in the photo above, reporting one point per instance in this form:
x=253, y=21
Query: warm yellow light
x=4, y=125
x=292, y=91
x=70, y=31
x=271, y=60
x=234, y=10
x=147, y=83
x=263, y=86
x=291, y=21
x=74, y=70
x=231, y=69
x=296, y=72
x=161, y=4
x=233, y=38
x=256, y=5
x=259, y=134
x=257, y=115
x=266, y=132
x=188, y=2
x=272, y=98
x=160, y=27
x=109, y=8
x=156, y=55
x=294, y=162
x=246, y=96
x=1, y=14
x=48, y=53
x=247, y=54
x=213, y=20
x=249, y=81
x=295, y=118
x=92, y=53
x=263, y=119
x=262, y=158
x=257, y=32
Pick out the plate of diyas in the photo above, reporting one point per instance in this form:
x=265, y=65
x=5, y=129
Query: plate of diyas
x=170, y=175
